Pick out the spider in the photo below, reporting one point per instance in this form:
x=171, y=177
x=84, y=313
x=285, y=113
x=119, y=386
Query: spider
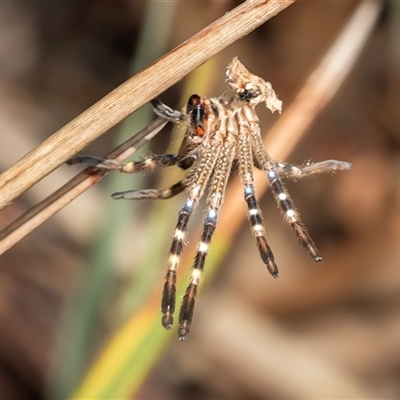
x=219, y=131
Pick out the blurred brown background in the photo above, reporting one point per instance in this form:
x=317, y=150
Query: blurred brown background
x=330, y=330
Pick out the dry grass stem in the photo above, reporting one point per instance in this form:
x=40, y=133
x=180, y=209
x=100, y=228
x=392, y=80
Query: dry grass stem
x=132, y=94
x=35, y=216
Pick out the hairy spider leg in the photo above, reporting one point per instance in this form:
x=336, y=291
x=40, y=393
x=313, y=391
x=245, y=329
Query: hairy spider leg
x=295, y=172
x=218, y=184
x=291, y=215
x=197, y=114
x=254, y=212
x=163, y=111
x=149, y=164
x=152, y=194
x=196, y=183
x=175, y=252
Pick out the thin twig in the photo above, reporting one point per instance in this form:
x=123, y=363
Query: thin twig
x=35, y=216
x=132, y=94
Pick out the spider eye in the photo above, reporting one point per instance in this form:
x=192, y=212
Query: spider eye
x=196, y=111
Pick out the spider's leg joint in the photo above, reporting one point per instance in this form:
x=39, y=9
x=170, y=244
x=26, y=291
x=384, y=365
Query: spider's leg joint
x=203, y=247
x=188, y=207
x=194, y=193
x=282, y=196
x=272, y=176
x=211, y=217
x=290, y=214
x=248, y=190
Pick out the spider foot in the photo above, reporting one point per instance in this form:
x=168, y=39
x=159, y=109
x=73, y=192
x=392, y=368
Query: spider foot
x=163, y=111
x=306, y=241
x=267, y=256
x=186, y=312
x=271, y=266
x=96, y=162
x=275, y=274
x=168, y=300
x=183, y=331
x=314, y=253
x=167, y=320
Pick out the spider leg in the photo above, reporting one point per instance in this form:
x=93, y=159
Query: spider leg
x=291, y=214
x=218, y=185
x=163, y=111
x=254, y=212
x=147, y=165
x=151, y=194
x=264, y=161
x=196, y=183
x=188, y=302
x=295, y=172
x=258, y=229
x=175, y=252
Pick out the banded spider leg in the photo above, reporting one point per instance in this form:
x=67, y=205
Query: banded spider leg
x=198, y=182
x=149, y=165
x=264, y=162
x=254, y=213
x=223, y=144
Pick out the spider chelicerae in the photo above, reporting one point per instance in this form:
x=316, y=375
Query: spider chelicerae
x=219, y=131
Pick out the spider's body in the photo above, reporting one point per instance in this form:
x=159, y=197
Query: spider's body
x=219, y=131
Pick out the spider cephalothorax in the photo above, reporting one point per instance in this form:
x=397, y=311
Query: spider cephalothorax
x=220, y=131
